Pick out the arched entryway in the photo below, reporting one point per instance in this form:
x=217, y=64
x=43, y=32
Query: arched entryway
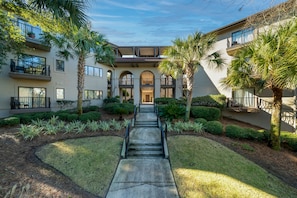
x=126, y=85
x=147, y=87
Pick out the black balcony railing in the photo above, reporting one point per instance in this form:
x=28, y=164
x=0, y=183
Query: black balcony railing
x=126, y=82
x=33, y=68
x=29, y=102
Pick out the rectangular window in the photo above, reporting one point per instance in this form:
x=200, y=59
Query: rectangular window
x=32, y=97
x=243, y=36
x=60, y=94
x=93, y=94
x=167, y=92
x=93, y=71
x=60, y=65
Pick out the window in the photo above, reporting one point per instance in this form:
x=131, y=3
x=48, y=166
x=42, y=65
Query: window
x=60, y=65
x=30, y=64
x=93, y=71
x=60, y=93
x=93, y=94
x=242, y=36
x=32, y=97
x=166, y=80
x=167, y=92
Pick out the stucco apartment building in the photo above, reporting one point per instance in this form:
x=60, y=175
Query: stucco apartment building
x=39, y=80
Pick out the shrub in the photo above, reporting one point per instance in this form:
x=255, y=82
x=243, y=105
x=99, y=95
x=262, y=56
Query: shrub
x=28, y=132
x=201, y=120
x=208, y=113
x=111, y=100
x=289, y=139
x=90, y=108
x=210, y=101
x=173, y=111
x=164, y=100
x=119, y=108
x=254, y=134
x=10, y=121
x=234, y=131
x=214, y=127
x=92, y=115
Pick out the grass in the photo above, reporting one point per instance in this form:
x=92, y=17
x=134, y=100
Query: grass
x=204, y=168
x=89, y=162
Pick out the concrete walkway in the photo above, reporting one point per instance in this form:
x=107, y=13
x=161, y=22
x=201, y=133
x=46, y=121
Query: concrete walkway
x=143, y=177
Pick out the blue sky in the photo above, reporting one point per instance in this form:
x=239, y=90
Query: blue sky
x=159, y=22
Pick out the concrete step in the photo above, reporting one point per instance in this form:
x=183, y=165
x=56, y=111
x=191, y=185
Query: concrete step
x=139, y=150
x=146, y=123
x=145, y=147
x=146, y=110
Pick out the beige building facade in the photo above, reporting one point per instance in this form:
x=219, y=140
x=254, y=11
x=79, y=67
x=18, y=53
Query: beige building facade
x=39, y=80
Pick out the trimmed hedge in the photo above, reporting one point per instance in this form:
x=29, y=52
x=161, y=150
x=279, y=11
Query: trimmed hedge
x=289, y=139
x=208, y=113
x=164, y=100
x=201, y=120
x=10, y=121
x=119, y=108
x=214, y=127
x=234, y=131
x=111, y=100
x=218, y=101
x=171, y=111
x=92, y=116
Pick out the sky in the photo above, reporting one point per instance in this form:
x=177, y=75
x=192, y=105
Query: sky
x=159, y=22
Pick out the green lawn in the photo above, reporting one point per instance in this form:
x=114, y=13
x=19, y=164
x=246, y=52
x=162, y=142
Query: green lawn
x=89, y=162
x=204, y=168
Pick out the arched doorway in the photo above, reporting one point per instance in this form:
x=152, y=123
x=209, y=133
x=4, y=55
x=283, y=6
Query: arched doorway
x=147, y=87
x=126, y=85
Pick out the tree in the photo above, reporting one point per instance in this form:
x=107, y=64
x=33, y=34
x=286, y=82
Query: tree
x=185, y=56
x=270, y=61
x=82, y=43
x=71, y=11
x=52, y=16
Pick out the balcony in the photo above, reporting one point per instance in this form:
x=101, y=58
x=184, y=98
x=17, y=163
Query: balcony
x=32, y=71
x=33, y=36
x=29, y=104
x=126, y=83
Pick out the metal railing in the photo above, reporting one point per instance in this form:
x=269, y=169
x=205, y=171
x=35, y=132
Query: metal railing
x=163, y=133
x=127, y=139
x=29, y=102
x=288, y=115
x=33, y=68
x=30, y=31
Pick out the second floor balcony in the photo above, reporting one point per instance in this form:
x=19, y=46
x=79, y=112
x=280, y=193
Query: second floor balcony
x=33, y=71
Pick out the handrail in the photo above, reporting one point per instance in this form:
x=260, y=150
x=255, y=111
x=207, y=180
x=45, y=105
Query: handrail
x=126, y=139
x=135, y=113
x=163, y=134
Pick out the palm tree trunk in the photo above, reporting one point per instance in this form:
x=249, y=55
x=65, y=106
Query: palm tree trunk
x=80, y=83
x=275, y=127
x=190, y=80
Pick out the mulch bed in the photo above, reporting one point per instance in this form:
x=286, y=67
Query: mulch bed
x=19, y=165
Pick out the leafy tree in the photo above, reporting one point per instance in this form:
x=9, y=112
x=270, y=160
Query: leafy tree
x=82, y=43
x=52, y=16
x=10, y=38
x=185, y=56
x=268, y=62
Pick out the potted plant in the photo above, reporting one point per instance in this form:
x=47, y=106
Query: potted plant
x=31, y=34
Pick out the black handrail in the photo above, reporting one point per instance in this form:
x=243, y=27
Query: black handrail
x=29, y=102
x=127, y=134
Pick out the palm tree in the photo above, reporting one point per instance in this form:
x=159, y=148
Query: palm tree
x=185, y=56
x=70, y=10
x=82, y=43
x=269, y=61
